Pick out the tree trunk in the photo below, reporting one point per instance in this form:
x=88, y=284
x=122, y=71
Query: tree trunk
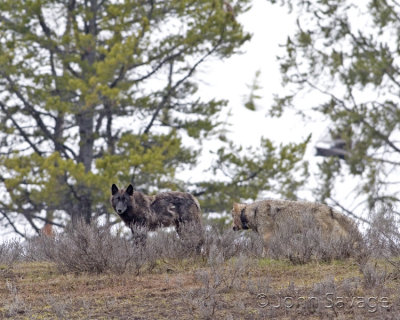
x=85, y=123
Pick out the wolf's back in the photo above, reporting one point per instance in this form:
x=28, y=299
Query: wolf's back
x=271, y=212
x=184, y=204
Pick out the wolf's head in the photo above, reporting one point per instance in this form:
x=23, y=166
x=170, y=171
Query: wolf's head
x=121, y=199
x=239, y=217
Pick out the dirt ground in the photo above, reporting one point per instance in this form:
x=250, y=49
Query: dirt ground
x=253, y=289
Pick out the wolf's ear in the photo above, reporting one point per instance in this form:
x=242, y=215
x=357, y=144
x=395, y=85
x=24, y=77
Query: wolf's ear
x=114, y=189
x=129, y=190
x=236, y=208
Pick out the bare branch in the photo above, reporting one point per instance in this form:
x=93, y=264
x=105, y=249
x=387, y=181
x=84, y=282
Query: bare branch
x=43, y=24
x=362, y=119
x=21, y=131
x=171, y=89
x=350, y=213
x=48, y=221
x=29, y=107
x=12, y=224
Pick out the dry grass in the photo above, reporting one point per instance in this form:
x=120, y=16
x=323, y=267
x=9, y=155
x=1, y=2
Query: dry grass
x=237, y=289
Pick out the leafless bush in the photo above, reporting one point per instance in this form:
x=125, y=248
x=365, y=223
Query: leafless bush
x=15, y=305
x=373, y=276
x=206, y=300
x=40, y=248
x=163, y=244
x=62, y=308
x=59, y=307
x=384, y=232
x=87, y=248
x=228, y=243
x=383, y=237
x=301, y=240
x=93, y=248
x=346, y=300
x=292, y=302
x=214, y=282
x=328, y=299
x=192, y=237
x=258, y=285
x=10, y=252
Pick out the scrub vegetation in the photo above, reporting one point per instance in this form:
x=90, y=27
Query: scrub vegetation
x=90, y=271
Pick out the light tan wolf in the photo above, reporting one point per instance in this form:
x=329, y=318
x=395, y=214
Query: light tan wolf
x=162, y=210
x=264, y=216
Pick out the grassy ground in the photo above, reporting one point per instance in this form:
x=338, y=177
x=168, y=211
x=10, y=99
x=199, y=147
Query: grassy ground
x=192, y=289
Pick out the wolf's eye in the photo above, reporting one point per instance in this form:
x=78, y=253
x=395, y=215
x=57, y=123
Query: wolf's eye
x=119, y=198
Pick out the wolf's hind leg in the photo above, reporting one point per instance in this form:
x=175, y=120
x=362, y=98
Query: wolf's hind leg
x=192, y=234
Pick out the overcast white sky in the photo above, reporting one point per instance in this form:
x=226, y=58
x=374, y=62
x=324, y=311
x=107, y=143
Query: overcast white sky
x=270, y=26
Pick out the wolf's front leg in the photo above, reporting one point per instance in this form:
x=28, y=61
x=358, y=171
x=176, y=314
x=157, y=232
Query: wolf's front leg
x=266, y=235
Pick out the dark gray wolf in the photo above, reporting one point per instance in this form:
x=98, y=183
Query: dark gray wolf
x=162, y=210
